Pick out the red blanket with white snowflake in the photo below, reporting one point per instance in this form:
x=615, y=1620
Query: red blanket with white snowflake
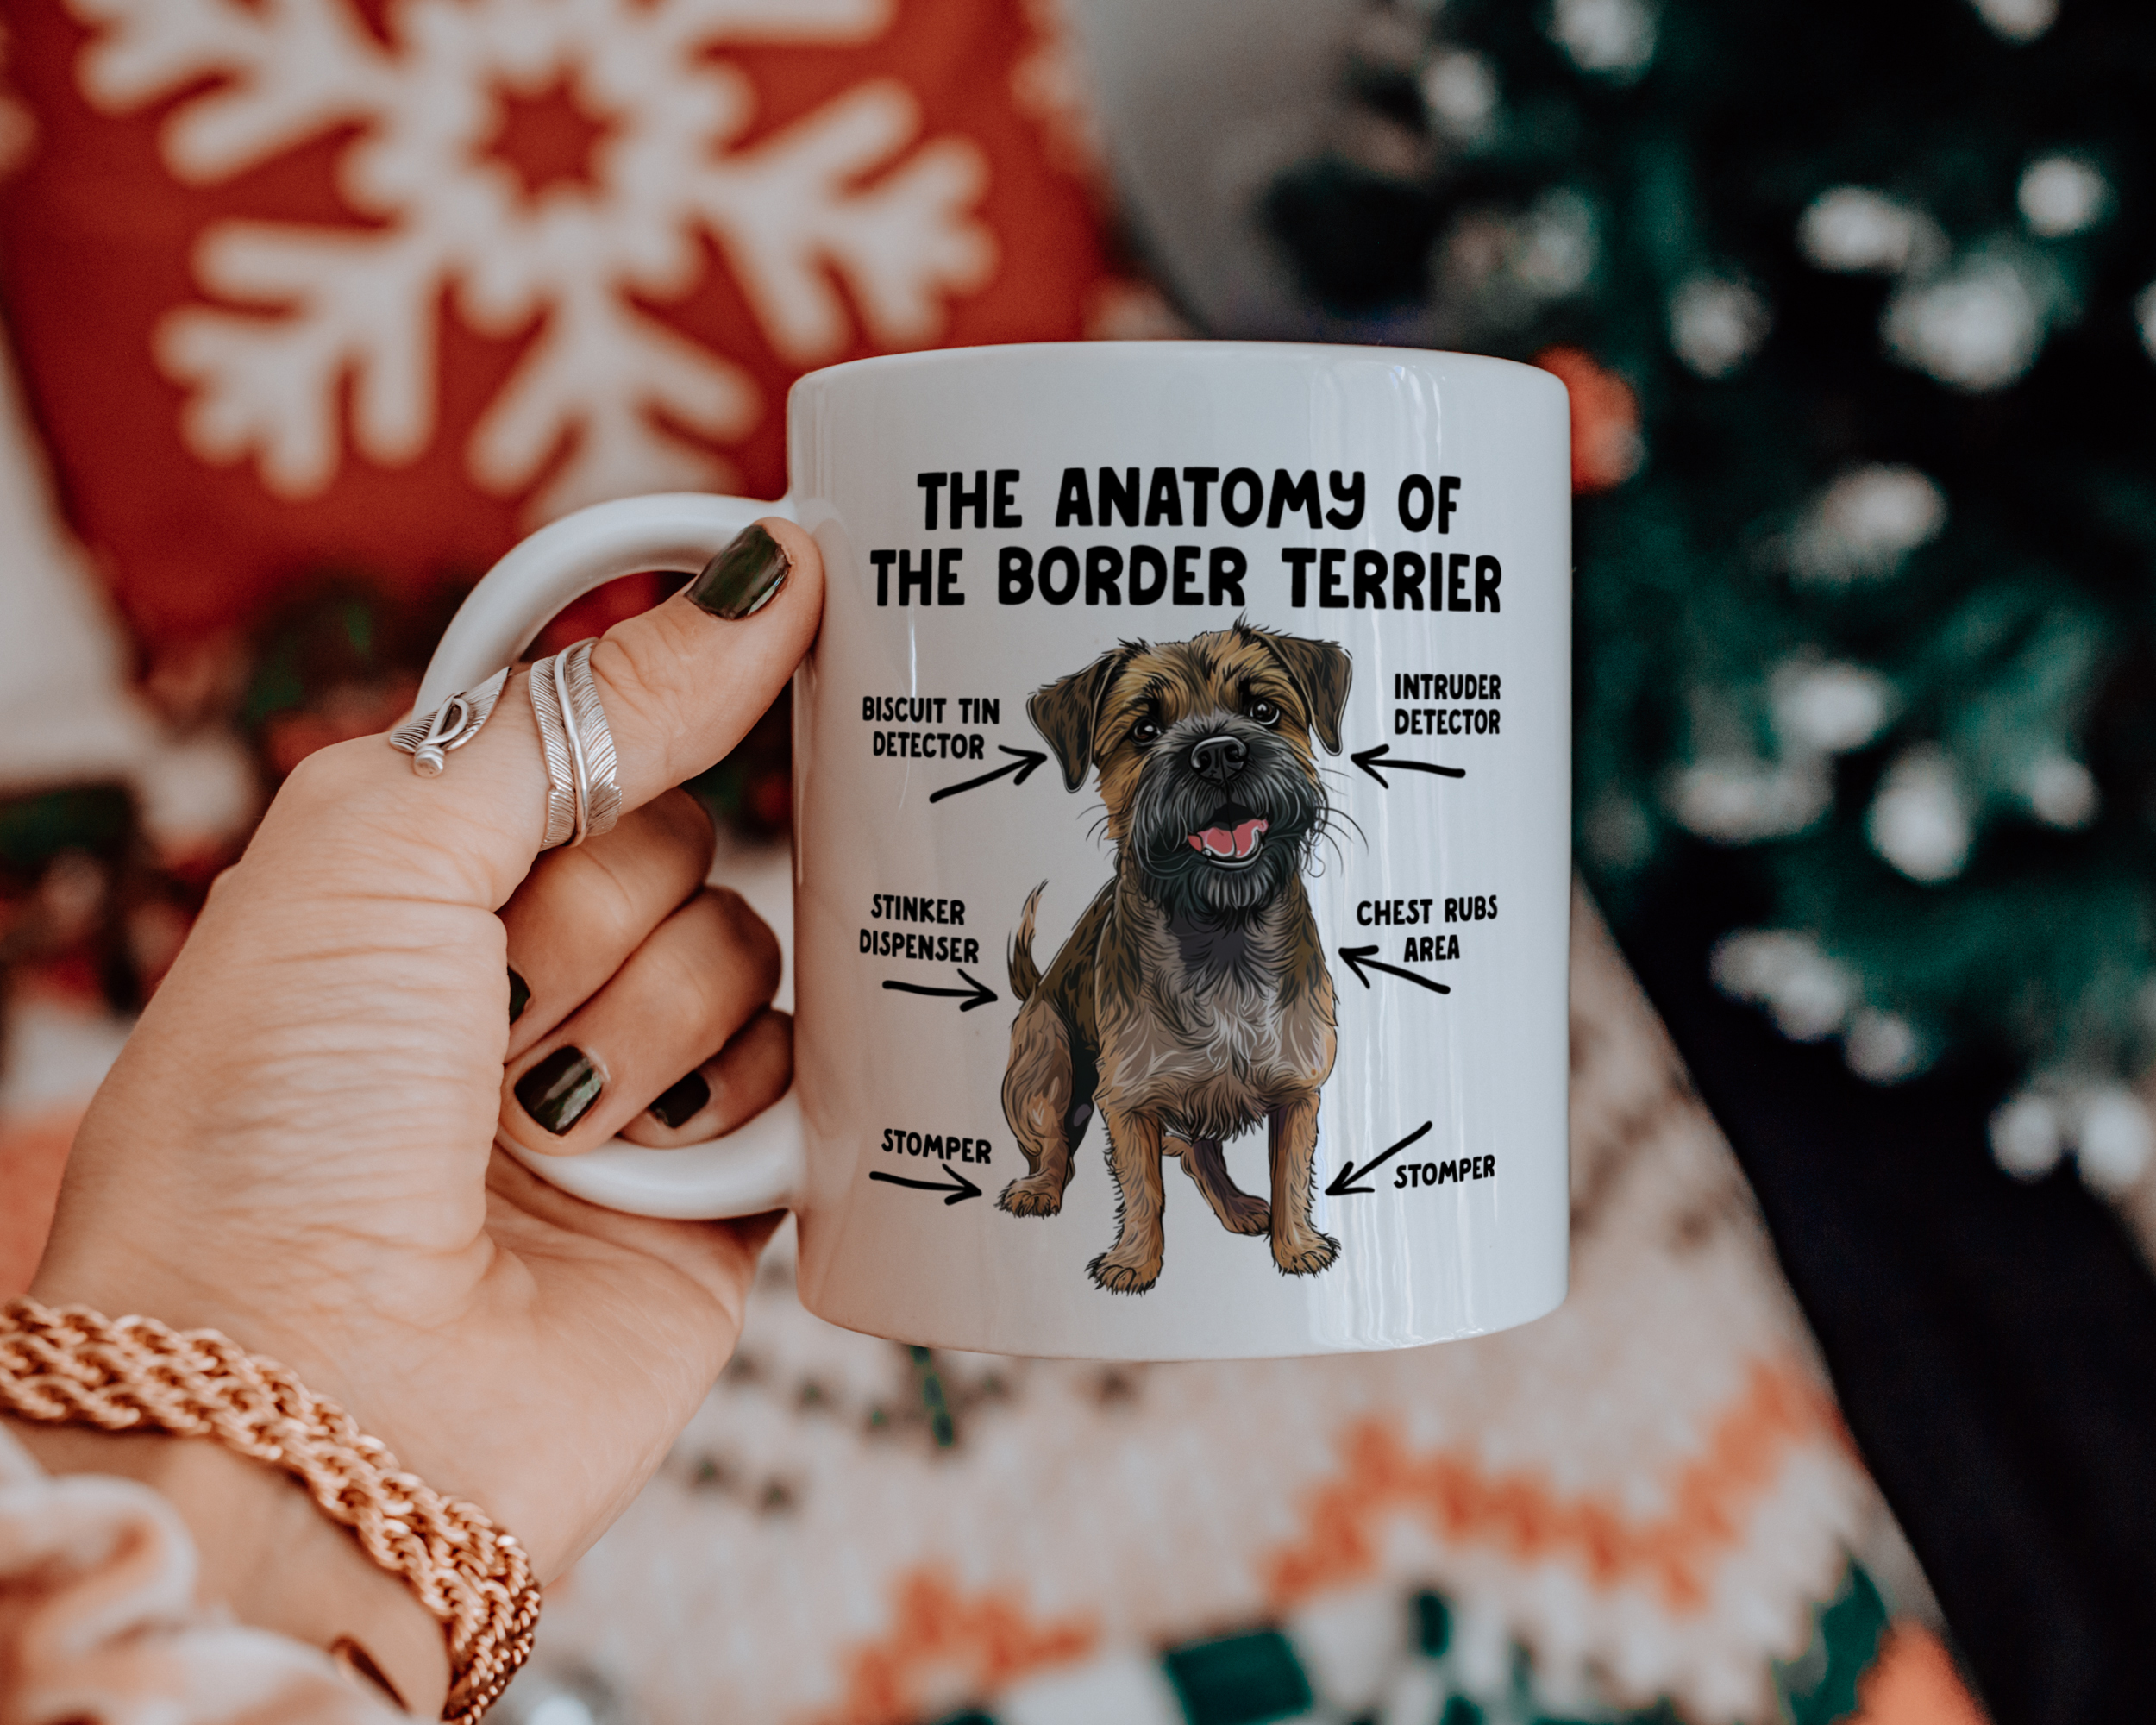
x=335, y=283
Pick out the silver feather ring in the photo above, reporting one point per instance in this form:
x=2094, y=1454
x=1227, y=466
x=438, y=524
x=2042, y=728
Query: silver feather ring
x=553, y=745
x=583, y=788
x=428, y=738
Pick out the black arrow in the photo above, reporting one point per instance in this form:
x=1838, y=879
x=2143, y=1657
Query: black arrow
x=1027, y=760
x=1364, y=758
x=1357, y=957
x=964, y=1190
x=979, y=994
x=1343, y=1182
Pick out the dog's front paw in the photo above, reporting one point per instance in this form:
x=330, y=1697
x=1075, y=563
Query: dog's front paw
x=1306, y=1254
x=1240, y=1213
x=1120, y=1277
x=1038, y=1194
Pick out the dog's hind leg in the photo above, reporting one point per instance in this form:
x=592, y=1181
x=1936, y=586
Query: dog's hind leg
x=1044, y=1116
x=1291, y=1139
x=1132, y=1264
x=1240, y=1213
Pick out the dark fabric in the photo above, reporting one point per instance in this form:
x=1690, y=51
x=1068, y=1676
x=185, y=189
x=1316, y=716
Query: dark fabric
x=1993, y=1345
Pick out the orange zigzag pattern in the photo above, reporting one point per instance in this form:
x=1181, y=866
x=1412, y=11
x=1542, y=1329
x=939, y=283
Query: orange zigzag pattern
x=939, y=1633
x=1779, y=1409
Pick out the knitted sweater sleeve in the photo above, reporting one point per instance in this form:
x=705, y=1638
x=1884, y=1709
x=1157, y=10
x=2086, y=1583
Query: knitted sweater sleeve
x=99, y=1620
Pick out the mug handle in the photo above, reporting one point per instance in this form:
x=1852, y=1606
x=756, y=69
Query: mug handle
x=758, y=1165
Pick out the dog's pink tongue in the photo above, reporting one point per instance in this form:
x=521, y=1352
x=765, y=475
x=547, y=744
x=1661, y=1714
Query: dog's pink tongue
x=1236, y=842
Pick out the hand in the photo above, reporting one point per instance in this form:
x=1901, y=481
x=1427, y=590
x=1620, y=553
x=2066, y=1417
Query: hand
x=296, y=1145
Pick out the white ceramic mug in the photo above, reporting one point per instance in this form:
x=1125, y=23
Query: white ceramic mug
x=1181, y=781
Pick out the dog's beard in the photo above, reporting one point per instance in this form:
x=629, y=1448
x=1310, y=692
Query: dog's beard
x=1221, y=852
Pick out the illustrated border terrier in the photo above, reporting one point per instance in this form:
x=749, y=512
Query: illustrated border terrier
x=1192, y=999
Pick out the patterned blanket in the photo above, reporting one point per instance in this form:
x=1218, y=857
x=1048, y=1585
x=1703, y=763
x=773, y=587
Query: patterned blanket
x=1644, y=1497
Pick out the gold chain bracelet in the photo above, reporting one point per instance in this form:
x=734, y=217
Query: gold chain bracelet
x=74, y=1366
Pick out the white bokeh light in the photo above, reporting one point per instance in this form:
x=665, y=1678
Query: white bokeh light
x=1716, y=325
x=2028, y=1137
x=1829, y=707
x=1807, y=993
x=1920, y=820
x=2113, y=1139
x=1978, y=327
x=1853, y=228
x=2018, y=20
x=1612, y=37
x=2061, y=195
x=1740, y=799
x=1866, y=522
x=1459, y=93
x=2061, y=792
x=1881, y=1047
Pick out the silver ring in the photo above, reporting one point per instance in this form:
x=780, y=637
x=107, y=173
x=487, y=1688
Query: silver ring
x=580, y=769
x=553, y=745
x=583, y=792
x=591, y=744
x=429, y=739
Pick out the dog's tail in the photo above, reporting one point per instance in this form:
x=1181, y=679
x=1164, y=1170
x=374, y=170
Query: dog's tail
x=1025, y=975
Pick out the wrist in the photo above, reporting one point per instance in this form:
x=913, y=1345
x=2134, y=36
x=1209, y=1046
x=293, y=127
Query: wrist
x=268, y=1555
x=316, y=1347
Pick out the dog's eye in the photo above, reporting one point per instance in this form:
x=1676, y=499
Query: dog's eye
x=1145, y=730
x=1265, y=712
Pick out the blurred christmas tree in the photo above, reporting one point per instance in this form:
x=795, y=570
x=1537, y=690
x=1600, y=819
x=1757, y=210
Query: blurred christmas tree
x=1855, y=301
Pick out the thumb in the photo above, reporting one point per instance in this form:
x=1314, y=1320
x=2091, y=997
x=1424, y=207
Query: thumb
x=680, y=684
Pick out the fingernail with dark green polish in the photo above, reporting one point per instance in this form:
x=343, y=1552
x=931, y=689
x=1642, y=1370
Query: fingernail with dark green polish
x=679, y=1103
x=560, y=1089
x=519, y=996
x=740, y=580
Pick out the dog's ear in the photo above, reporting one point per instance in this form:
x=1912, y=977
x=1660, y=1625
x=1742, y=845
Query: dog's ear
x=1064, y=712
x=1322, y=671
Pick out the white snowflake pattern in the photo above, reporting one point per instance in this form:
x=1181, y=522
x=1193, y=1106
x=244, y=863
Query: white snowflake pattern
x=840, y=195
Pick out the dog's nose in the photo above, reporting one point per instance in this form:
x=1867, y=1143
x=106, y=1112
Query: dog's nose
x=1218, y=757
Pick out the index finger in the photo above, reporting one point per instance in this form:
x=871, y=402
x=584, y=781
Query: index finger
x=680, y=684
